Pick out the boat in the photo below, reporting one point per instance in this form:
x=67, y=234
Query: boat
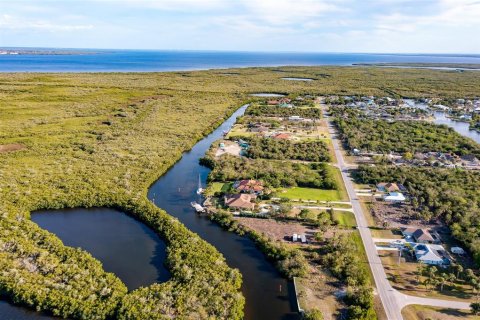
x=200, y=189
x=197, y=207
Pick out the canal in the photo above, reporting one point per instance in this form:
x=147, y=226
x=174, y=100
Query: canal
x=135, y=254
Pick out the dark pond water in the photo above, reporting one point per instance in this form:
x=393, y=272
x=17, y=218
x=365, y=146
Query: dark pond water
x=267, y=95
x=297, y=79
x=125, y=246
x=268, y=295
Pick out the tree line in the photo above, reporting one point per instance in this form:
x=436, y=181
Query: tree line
x=280, y=149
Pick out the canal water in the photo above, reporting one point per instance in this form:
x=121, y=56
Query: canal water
x=135, y=254
x=441, y=118
x=461, y=127
x=268, y=295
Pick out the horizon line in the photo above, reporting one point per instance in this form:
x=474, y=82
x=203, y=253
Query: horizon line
x=249, y=51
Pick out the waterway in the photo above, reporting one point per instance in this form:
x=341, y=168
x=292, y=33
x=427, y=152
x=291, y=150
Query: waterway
x=135, y=254
x=461, y=127
x=440, y=117
x=268, y=295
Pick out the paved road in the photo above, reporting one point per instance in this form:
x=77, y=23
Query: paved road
x=393, y=301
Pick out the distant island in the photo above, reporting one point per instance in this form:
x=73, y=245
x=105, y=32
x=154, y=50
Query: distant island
x=43, y=52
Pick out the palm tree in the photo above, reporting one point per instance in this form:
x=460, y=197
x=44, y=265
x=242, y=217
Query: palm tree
x=442, y=279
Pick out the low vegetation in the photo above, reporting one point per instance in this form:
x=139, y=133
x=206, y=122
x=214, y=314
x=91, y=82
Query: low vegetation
x=275, y=173
x=102, y=139
x=341, y=257
x=275, y=111
x=277, y=149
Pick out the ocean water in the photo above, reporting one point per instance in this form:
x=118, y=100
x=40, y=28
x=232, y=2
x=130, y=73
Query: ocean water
x=145, y=60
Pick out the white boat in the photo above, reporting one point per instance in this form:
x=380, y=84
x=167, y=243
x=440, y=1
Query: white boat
x=197, y=207
x=200, y=189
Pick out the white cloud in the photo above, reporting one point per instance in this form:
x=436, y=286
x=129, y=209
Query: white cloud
x=8, y=22
x=285, y=12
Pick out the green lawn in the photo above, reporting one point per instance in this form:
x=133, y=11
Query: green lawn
x=343, y=218
x=311, y=194
x=217, y=187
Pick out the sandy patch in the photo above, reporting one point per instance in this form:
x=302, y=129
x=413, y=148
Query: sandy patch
x=275, y=230
x=230, y=148
x=11, y=147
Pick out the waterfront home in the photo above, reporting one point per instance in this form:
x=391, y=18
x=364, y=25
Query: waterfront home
x=249, y=186
x=431, y=254
x=394, y=197
x=241, y=201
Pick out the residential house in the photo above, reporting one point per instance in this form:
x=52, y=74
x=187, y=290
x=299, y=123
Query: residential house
x=431, y=254
x=241, y=201
x=249, y=186
x=394, y=197
x=420, y=235
x=388, y=187
x=282, y=136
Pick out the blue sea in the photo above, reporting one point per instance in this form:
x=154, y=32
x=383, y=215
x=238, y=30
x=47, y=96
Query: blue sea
x=146, y=60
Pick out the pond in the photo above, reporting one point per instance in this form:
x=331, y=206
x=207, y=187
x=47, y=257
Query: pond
x=126, y=247
x=297, y=79
x=267, y=95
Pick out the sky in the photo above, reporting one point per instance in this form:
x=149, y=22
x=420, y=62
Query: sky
x=384, y=26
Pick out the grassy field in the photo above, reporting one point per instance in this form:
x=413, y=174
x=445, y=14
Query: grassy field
x=416, y=312
x=311, y=194
x=101, y=139
x=346, y=219
x=298, y=193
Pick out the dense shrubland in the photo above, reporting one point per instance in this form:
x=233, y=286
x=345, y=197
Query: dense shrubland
x=278, y=149
x=341, y=257
x=102, y=139
x=274, y=111
x=450, y=195
x=275, y=173
x=403, y=136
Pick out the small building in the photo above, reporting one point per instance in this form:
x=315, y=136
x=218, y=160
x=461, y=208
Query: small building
x=457, y=250
x=282, y=136
x=295, y=118
x=388, y=187
x=420, y=235
x=240, y=201
x=394, y=197
x=432, y=255
x=249, y=186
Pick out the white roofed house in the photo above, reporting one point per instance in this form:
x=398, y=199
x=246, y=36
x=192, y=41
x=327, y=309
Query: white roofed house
x=394, y=197
x=431, y=254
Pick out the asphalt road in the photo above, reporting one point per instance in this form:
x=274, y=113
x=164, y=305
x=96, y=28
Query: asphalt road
x=393, y=301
